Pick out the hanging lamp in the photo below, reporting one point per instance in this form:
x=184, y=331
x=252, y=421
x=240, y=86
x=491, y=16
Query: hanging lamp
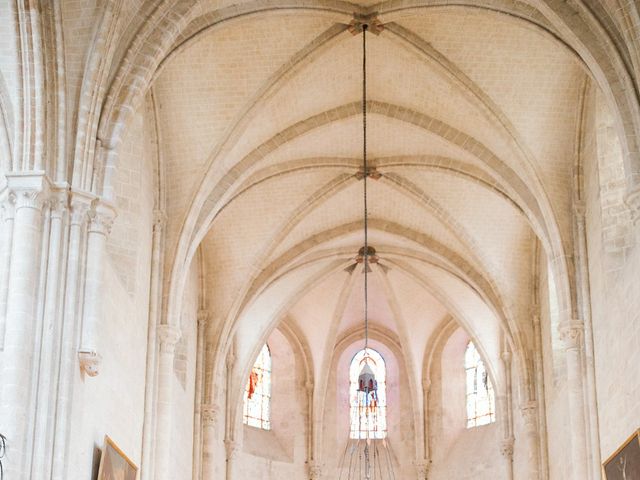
x=368, y=456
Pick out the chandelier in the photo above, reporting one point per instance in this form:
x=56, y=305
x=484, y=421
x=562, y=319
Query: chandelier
x=368, y=456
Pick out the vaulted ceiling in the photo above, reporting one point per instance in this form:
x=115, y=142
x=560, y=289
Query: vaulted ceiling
x=473, y=118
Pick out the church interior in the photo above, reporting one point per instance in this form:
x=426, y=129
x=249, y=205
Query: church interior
x=320, y=239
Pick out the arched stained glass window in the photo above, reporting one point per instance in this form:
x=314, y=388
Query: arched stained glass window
x=480, y=397
x=257, y=394
x=368, y=417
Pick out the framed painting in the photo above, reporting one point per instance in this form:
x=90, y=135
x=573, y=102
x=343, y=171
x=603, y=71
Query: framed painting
x=624, y=464
x=114, y=464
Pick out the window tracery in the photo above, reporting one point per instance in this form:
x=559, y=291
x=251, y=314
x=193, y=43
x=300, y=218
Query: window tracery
x=480, y=395
x=257, y=394
x=368, y=415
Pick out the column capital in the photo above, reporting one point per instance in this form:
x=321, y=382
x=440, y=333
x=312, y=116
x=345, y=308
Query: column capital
x=422, y=468
x=506, y=448
x=315, y=470
x=59, y=203
x=632, y=199
x=579, y=209
x=231, y=448
x=90, y=362
x=8, y=207
x=80, y=204
x=529, y=412
x=308, y=386
x=29, y=189
x=159, y=219
x=203, y=318
x=209, y=414
x=101, y=217
x=571, y=334
x=506, y=356
x=168, y=336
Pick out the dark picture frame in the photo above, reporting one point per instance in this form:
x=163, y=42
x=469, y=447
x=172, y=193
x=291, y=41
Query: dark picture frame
x=114, y=464
x=624, y=463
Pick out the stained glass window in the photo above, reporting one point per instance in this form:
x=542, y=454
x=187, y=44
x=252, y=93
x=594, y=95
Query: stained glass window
x=368, y=414
x=257, y=394
x=480, y=397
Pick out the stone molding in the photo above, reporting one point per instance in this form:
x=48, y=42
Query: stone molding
x=571, y=334
x=90, y=362
x=168, y=336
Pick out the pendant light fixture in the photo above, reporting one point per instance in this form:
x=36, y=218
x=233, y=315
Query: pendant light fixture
x=368, y=456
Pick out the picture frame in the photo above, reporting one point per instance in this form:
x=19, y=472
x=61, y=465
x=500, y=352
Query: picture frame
x=624, y=463
x=115, y=464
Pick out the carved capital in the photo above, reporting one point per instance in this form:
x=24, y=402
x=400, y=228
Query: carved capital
x=230, y=448
x=209, y=414
x=422, y=469
x=506, y=356
x=632, y=199
x=506, y=448
x=530, y=415
x=101, y=217
x=59, y=203
x=579, y=209
x=29, y=198
x=159, y=220
x=29, y=190
x=308, y=386
x=90, y=362
x=168, y=336
x=8, y=207
x=315, y=470
x=571, y=334
x=203, y=319
x=80, y=205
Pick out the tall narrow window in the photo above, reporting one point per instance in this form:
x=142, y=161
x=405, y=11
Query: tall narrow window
x=257, y=395
x=368, y=417
x=480, y=396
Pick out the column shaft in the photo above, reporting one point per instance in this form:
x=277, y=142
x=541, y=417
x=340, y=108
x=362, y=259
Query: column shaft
x=572, y=336
x=17, y=374
x=168, y=336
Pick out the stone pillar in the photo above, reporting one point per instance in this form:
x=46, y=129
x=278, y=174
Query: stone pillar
x=22, y=288
x=203, y=317
x=80, y=204
x=571, y=335
x=209, y=415
x=7, y=213
x=155, y=301
x=168, y=336
x=506, y=449
x=532, y=443
x=50, y=346
x=231, y=450
x=101, y=219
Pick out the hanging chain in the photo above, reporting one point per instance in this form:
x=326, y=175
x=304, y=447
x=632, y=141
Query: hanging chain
x=366, y=174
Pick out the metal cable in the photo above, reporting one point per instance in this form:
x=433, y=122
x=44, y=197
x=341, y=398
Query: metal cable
x=366, y=174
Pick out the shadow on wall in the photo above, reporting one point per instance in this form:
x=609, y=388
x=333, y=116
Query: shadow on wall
x=95, y=464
